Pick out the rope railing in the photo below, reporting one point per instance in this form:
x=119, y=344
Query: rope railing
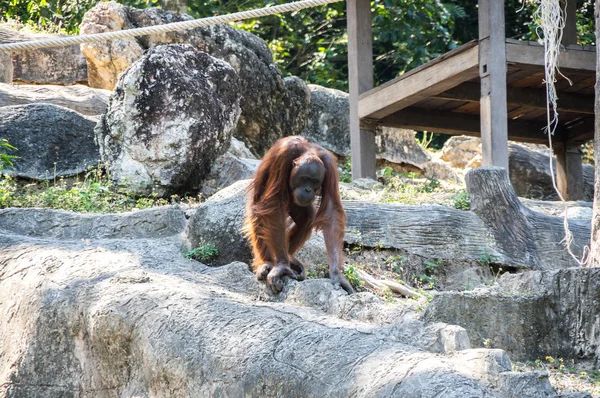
x=170, y=27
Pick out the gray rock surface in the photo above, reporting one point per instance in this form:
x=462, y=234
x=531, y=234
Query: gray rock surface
x=117, y=315
x=530, y=238
x=399, y=146
x=52, y=141
x=272, y=107
x=328, y=121
x=170, y=116
x=430, y=231
x=57, y=65
x=529, y=166
x=530, y=174
x=226, y=170
x=530, y=315
x=81, y=99
x=6, y=68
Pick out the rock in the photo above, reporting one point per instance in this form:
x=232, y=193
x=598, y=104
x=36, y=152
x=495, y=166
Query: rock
x=79, y=98
x=529, y=166
x=530, y=238
x=106, y=60
x=56, y=65
x=6, y=68
x=530, y=315
x=122, y=315
x=272, y=107
x=219, y=221
x=239, y=149
x=530, y=174
x=52, y=141
x=226, y=170
x=400, y=147
x=365, y=183
x=436, y=170
x=430, y=231
x=328, y=122
x=459, y=150
x=63, y=225
x=170, y=116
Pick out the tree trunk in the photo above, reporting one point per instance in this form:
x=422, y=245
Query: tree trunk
x=595, y=239
x=179, y=6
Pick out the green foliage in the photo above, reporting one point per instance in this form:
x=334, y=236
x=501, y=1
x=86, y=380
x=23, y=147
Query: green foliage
x=426, y=279
x=395, y=263
x=462, y=201
x=346, y=171
x=352, y=276
x=430, y=186
x=205, y=252
x=55, y=16
x=5, y=158
x=313, y=43
x=94, y=194
x=487, y=259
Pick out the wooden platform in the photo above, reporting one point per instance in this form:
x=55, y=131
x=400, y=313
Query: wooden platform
x=443, y=95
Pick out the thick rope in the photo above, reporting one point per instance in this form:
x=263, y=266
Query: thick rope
x=552, y=21
x=171, y=27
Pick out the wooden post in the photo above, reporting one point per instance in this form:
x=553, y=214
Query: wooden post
x=492, y=71
x=569, y=171
x=569, y=168
x=360, y=79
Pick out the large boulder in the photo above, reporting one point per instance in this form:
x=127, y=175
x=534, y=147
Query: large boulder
x=530, y=174
x=530, y=315
x=82, y=99
x=227, y=170
x=328, y=121
x=56, y=65
x=170, y=116
x=529, y=166
x=272, y=107
x=52, y=141
x=430, y=231
x=103, y=313
x=400, y=147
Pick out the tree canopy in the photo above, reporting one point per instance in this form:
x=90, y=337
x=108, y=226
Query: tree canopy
x=312, y=43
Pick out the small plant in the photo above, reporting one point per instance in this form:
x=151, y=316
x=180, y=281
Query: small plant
x=395, y=264
x=487, y=259
x=462, y=201
x=346, y=171
x=431, y=186
x=426, y=280
x=205, y=252
x=487, y=343
x=388, y=296
x=352, y=275
x=5, y=158
x=425, y=140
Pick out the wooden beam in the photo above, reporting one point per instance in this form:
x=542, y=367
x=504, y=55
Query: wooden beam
x=492, y=72
x=530, y=97
x=360, y=79
x=439, y=75
x=569, y=172
x=574, y=58
x=455, y=123
x=578, y=131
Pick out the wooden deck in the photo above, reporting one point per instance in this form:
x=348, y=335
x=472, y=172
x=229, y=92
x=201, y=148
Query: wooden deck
x=444, y=95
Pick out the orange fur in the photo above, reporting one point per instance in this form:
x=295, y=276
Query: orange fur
x=267, y=224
